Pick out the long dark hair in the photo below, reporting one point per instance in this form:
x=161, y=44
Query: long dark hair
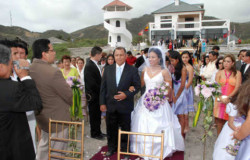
x=190, y=58
x=110, y=55
x=178, y=68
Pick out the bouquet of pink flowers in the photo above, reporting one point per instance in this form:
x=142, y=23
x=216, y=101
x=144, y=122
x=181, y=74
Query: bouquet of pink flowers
x=207, y=91
x=76, y=108
x=156, y=97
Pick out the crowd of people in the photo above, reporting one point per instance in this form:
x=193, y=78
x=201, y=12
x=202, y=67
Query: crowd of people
x=36, y=90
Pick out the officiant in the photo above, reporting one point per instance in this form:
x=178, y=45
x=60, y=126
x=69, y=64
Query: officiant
x=15, y=99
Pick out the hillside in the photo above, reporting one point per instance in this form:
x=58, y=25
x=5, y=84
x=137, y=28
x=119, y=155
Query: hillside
x=135, y=25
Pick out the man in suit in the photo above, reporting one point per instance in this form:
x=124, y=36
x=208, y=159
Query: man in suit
x=239, y=63
x=56, y=95
x=245, y=69
x=140, y=60
x=116, y=99
x=92, y=79
x=15, y=99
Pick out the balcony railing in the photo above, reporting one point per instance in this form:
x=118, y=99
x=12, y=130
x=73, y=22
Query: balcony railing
x=191, y=25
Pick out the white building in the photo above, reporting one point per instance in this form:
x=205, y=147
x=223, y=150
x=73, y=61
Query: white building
x=116, y=14
x=185, y=21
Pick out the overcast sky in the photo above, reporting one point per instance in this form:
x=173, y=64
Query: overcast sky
x=72, y=15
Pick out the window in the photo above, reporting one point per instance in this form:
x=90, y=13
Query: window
x=166, y=17
x=118, y=38
x=117, y=24
x=189, y=20
x=166, y=25
x=110, y=39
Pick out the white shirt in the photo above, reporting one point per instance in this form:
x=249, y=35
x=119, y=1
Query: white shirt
x=81, y=75
x=96, y=63
x=209, y=70
x=246, y=67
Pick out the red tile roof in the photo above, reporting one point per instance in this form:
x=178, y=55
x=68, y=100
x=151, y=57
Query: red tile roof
x=117, y=3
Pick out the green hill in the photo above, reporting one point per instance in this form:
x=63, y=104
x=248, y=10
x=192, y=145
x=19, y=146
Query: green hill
x=135, y=25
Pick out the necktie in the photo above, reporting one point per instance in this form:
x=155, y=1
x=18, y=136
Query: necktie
x=118, y=75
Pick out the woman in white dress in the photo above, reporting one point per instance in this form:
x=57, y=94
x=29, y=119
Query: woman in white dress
x=162, y=119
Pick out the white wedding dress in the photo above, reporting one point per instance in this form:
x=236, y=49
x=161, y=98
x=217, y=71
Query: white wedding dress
x=163, y=119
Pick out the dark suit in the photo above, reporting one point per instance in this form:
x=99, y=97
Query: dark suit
x=245, y=75
x=92, y=78
x=238, y=65
x=118, y=112
x=15, y=99
x=139, y=61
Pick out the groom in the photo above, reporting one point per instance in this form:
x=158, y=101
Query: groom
x=116, y=99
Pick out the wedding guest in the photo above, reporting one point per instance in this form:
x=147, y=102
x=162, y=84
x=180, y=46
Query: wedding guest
x=230, y=80
x=243, y=134
x=245, y=69
x=73, y=62
x=169, y=66
x=210, y=68
x=55, y=93
x=204, y=64
x=216, y=49
x=130, y=58
x=110, y=59
x=59, y=64
x=92, y=78
x=141, y=59
x=240, y=62
x=103, y=60
x=22, y=53
x=16, y=98
x=179, y=81
x=219, y=66
x=13, y=47
x=67, y=70
x=80, y=69
x=186, y=59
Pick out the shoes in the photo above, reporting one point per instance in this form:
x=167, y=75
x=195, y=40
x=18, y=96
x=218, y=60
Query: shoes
x=100, y=137
x=110, y=153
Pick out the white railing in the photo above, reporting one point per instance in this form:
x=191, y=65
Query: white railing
x=121, y=30
x=197, y=25
x=116, y=14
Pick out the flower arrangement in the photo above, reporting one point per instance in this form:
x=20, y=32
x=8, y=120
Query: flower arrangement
x=156, y=97
x=76, y=108
x=207, y=91
x=233, y=149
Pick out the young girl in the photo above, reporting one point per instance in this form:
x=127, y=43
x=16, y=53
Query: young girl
x=226, y=136
x=179, y=96
x=186, y=58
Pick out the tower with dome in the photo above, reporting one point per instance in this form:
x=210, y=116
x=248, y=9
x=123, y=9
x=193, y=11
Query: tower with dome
x=116, y=14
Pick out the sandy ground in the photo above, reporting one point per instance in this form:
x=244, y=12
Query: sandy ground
x=193, y=143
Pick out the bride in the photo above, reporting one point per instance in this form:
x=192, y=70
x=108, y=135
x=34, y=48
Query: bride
x=162, y=119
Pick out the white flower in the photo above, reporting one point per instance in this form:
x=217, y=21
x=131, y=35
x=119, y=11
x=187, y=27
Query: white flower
x=206, y=92
x=197, y=90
